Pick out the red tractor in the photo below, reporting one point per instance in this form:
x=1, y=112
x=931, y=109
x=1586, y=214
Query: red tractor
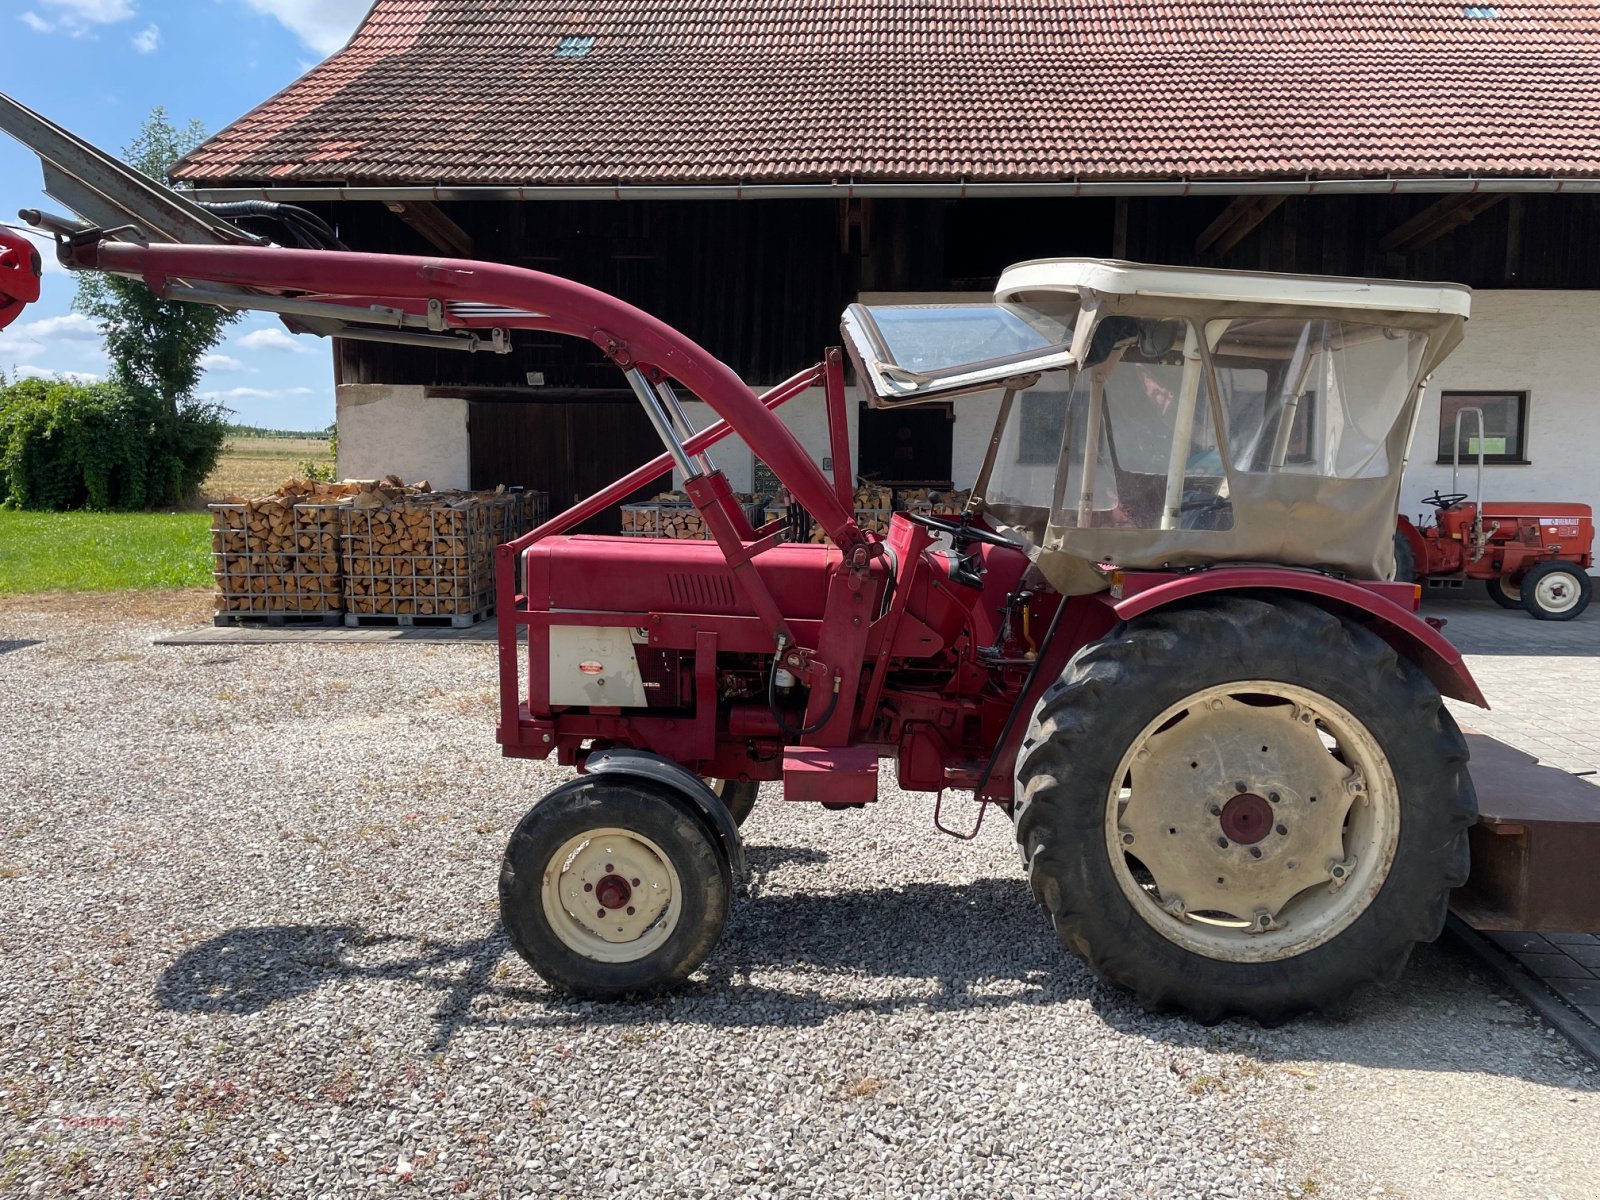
x=1530, y=554
x=1162, y=638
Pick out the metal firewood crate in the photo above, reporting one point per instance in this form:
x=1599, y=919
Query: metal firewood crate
x=277, y=561
x=422, y=562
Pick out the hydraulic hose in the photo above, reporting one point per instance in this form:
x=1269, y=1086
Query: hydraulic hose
x=777, y=712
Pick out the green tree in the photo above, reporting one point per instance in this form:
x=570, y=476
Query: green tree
x=154, y=345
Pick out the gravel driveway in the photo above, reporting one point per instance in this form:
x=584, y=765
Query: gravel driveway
x=250, y=947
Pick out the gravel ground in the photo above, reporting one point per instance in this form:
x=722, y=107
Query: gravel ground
x=250, y=948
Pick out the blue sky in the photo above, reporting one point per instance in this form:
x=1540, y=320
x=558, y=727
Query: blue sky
x=98, y=67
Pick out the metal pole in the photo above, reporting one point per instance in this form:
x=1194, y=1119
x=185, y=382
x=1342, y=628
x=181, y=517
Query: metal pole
x=674, y=408
x=657, y=413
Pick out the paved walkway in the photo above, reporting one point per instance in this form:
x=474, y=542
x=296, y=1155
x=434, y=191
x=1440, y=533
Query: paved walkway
x=1543, y=680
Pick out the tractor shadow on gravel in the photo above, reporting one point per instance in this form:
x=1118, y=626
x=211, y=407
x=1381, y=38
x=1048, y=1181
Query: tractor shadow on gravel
x=935, y=947
x=6, y=647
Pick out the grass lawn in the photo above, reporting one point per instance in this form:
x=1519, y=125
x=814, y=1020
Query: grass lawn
x=103, y=552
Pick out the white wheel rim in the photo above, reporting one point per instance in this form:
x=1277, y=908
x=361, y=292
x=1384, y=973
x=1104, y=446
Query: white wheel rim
x=1511, y=591
x=1556, y=592
x=611, y=895
x=1268, y=870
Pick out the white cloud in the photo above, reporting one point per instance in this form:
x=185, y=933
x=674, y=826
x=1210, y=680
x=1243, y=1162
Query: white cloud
x=323, y=25
x=273, y=339
x=250, y=393
x=78, y=18
x=29, y=371
x=147, y=40
x=220, y=362
x=73, y=327
x=28, y=339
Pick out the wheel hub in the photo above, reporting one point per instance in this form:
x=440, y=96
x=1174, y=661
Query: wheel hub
x=613, y=892
x=610, y=894
x=1231, y=815
x=1246, y=819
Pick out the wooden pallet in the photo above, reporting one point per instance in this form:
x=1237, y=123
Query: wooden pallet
x=225, y=619
x=407, y=620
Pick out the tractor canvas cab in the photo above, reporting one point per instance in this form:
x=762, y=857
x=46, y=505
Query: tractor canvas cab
x=1161, y=418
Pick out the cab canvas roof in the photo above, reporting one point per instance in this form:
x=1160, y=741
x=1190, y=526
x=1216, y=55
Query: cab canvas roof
x=1111, y=278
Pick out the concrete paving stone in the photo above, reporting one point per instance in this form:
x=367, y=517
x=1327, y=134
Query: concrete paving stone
x=1555, y=966
x=1572, y=939
x=1581, y=993
x=1522, y=943
x=1589, y=955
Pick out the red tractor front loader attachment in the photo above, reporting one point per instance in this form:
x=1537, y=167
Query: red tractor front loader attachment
x=1235, y=787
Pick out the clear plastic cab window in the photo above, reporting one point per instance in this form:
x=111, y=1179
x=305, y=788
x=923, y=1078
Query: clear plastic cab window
x=911, y=353
x=1140, y=439
x=1312, y=397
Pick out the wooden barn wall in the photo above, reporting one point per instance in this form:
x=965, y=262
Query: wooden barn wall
x=762, y=283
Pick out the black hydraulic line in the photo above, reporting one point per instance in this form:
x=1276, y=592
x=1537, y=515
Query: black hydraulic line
x=777, y=713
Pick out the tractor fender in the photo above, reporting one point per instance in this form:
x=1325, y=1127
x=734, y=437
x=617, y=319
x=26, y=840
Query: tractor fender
x=641, y=764
x=1411, y=636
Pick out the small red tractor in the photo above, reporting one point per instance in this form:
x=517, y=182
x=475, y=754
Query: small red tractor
x=1530, y=554
x=1162, y=639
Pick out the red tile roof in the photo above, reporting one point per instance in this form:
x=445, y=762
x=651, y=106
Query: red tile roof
x=724, y=91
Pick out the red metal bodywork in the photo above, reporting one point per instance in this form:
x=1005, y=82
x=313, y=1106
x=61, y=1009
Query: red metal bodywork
x=20, y=273
x=890, y=647
x=1517, y=536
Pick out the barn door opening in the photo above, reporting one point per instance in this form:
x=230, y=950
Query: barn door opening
x=571, y=448
x=911, y=447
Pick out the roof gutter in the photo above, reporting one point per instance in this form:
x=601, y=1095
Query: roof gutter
x=925, y=191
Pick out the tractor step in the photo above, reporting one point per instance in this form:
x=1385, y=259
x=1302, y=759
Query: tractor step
x=831, y=775
x=1534, y=848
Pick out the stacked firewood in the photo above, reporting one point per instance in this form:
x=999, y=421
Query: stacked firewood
x=280, y=553
x=939, y=501
x=668, y=515
x=415, y=552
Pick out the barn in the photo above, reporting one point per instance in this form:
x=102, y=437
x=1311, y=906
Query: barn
x=745, y=168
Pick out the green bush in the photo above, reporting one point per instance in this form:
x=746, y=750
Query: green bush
x=100, y=446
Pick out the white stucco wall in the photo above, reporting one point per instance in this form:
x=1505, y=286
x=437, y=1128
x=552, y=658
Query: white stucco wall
x=386, y=429
x=1522, y=341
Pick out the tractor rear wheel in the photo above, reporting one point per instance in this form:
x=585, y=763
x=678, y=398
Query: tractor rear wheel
x=613, y=887
x=1405, y=560
x=738, y=794
x=1507, y=593
x=1556, y=591
x=1243, y=808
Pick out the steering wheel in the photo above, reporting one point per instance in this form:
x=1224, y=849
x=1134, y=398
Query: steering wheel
x=1448, y=500
x=961, y=531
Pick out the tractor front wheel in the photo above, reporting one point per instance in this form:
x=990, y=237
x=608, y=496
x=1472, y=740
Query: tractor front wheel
x=1507, y=593
x=1556, y=591
x=1243, y=808
x=613, y=887
x=739, y=795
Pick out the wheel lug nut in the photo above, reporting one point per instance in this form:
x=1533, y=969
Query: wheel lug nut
x=1255, y=851
x=630, y=910
x=1215, y=810
x=601, y=914
x=1273, y=796
x=1283, y=831
x=1240, y=785
x=609, y=868
x=1223, y=842
x=635, y=883
x=1127, y=839
x=588, y=887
